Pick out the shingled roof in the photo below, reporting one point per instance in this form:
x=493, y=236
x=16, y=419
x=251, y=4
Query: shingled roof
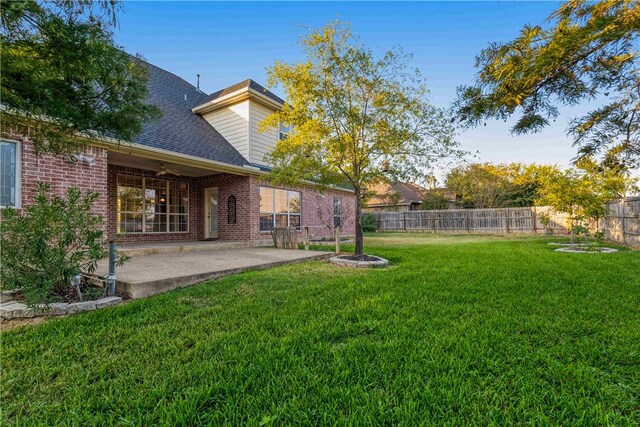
x=179, y=129
x=251, y=84
x=408, y=192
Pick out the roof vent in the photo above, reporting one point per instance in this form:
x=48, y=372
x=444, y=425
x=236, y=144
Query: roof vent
x=185, y=97
x=198, y=81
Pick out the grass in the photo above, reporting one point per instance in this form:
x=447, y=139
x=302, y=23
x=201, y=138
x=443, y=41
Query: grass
x=471, y=330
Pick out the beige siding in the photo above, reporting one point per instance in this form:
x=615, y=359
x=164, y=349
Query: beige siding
x=261, y=143
x=233, y=124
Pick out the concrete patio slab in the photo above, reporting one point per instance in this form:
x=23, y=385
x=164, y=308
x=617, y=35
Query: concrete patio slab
x=145, y=275
x=134, y=249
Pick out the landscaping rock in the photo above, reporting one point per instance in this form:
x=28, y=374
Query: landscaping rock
x=21, y=310
x=369, y=262
x=9, y=295
x=55, y=309
x=7, y=309
x=5, y=298
x=108, y=301
x=583, y=250
x=81, y=306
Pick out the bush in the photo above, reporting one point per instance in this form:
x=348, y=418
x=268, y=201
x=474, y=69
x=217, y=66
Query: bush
x=368, y=223
x=54, y=239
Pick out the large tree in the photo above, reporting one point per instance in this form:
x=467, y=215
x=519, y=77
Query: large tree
x=586, y=51
x=64, y=77
x=357, y=117
x=486, y=185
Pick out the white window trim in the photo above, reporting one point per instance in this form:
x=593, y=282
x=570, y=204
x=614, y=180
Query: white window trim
x=273, y=212
x=18, y=204
x=143, y=214
x=287, y=131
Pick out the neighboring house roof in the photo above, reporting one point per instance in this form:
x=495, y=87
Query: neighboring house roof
x=179, y=129
x=250, y=84
x=408, y=193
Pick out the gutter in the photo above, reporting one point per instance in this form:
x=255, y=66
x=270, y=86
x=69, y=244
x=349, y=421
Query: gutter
x=188, y=160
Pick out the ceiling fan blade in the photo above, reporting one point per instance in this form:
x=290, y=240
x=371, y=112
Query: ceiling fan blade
x=172, y=172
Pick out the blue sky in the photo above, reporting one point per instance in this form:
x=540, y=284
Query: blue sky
x=227, y=42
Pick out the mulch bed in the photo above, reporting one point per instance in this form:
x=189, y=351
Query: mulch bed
x=359, y=257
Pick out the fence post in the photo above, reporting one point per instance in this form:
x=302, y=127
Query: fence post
x=534, y=220
x=466, y=219
x=506, y=219
x=306, y=238
x=624, y=223
x=404, y=220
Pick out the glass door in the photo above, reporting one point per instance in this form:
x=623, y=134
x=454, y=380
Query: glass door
x=211, y=213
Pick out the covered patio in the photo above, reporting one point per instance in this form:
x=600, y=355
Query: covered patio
x=152, y=272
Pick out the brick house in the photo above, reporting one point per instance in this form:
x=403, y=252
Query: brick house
x=198, y=172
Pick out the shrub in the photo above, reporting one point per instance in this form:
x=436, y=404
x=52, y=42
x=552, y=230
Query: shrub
x=52, y=241
x=368, y=223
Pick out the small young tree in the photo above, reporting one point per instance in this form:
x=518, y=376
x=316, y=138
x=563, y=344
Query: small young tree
x=55, y=239
x=581, y=193
x=352, y=112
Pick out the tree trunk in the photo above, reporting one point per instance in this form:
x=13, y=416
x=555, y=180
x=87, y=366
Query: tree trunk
x=359, y=237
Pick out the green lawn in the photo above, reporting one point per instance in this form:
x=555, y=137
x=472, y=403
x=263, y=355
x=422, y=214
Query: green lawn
x=460, y=330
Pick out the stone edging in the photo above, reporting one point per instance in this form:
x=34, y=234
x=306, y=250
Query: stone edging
x=568, y=244
x=593, y=251
x=14, y=309
x=381, y=262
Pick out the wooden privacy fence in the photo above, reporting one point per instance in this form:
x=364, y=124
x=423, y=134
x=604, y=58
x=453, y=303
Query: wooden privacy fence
x=502, y=220
x=285, y=237
x=622, y=223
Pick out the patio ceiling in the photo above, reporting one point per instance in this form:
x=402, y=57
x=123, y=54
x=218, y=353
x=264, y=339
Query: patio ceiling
x=128, y=160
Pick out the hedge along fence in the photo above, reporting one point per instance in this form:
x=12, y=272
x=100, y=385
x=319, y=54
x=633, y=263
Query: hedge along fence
x=622, y=224
x=501, y=220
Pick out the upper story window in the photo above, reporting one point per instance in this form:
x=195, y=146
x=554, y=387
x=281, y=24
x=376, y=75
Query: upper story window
x=151, y=205
x=285, y=132
x=337, y=212
x=279, y=208
x=10, y=179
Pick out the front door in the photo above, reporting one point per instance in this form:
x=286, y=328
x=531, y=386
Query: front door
x=211, y=213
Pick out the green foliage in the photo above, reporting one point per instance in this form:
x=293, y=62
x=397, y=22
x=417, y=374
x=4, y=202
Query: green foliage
x=487, y=185
x=582, y=192
x=369, y=223
x=352, y=112
x=434, y=200
x=93, y=293
x=588, y=50
x=460, y=331
x=63, y=76
x=55, y=239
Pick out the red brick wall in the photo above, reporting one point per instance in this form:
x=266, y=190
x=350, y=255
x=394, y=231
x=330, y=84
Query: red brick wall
x=61, y=174
x=228, y=185
x=317, y=210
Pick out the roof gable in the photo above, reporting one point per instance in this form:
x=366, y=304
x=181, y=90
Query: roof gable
x=179, y=129
x=244, y=85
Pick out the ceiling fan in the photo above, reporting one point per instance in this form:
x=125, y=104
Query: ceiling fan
x=163, y=171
